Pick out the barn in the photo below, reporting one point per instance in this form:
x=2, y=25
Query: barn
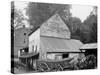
x=52, y=40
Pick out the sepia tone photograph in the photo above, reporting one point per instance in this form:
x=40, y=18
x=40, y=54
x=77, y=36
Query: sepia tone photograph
x=49, y=37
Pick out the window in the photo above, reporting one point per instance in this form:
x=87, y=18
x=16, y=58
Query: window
x=50, y=56
x=36, y=49
x=23, y=50
x=32, y=48
x=24, y=40
x=24, y=33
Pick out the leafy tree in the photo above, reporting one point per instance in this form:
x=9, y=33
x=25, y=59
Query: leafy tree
x=40, y=12
x=75, y=26
x=91, y=24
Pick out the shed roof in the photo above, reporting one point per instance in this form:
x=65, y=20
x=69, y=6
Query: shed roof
x=89, y=46
x=51, y=44
x=27, y=55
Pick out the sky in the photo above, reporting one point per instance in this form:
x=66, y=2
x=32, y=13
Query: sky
x=21, y=5
x=80, y=11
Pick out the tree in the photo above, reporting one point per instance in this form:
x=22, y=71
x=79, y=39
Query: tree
x=17, y=17
x=75, y=26
x=40, y=12
x=91, y=23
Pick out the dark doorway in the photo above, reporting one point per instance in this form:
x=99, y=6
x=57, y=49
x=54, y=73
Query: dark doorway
x=91, y=52
x=65, y=55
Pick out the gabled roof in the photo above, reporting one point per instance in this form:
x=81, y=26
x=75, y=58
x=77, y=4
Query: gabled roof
x=89, y=46
x=28, y=55
x=55, y=27
x=51, y=44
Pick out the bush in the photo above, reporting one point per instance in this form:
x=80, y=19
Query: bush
x=88, y=63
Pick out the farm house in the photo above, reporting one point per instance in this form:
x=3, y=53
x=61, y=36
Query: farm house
x=20, y=39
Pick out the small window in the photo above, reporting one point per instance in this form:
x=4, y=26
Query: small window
x=33, y=48
x=36, y=49
x=24, y=41
x=23, y=50
x=24, y=33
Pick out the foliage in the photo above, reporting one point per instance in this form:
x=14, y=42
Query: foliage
x=91, y=24
x=84, y=31
x=88, y=63
x=43, y=11
x=17, y=17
